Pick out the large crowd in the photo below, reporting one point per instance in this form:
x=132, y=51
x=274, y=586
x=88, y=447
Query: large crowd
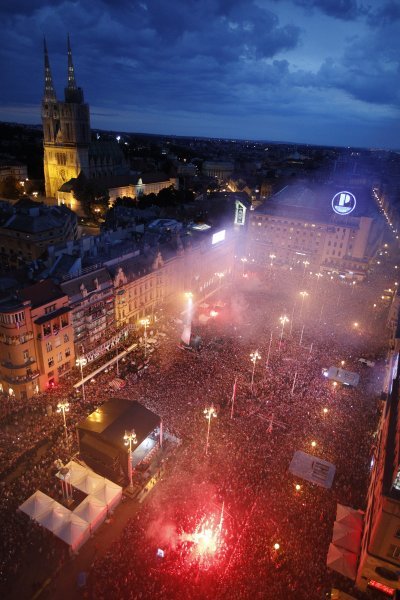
x=245, y=468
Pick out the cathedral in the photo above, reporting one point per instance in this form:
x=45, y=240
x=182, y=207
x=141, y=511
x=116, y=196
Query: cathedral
x=68, y=146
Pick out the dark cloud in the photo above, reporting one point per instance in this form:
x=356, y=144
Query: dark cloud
x=386, y=13
x=340, y=9
x=187, y=65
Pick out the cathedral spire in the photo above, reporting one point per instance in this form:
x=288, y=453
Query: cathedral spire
x=71, y=72
x=49, y=93
x=72, y=93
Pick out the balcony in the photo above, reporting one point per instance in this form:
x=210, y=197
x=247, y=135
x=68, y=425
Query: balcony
x=10, y=365
x=16, y=340
x=22, y=378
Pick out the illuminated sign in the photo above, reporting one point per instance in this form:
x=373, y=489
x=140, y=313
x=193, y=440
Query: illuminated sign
x=240, y=213
x=343, y=203
x=218, y=237
x=385, y=589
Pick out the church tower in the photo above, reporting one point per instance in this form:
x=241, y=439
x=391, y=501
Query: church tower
x=66, y=130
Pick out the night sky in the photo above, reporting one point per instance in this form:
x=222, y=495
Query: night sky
x=316, y=71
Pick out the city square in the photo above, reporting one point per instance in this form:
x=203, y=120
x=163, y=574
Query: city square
x=228, y=516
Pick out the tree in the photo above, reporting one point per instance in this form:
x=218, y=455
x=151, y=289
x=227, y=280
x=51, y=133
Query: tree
x=92, y=195
x=10, y=188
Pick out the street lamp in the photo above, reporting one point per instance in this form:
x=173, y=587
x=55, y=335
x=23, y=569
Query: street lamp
x=254, y=357
x=303, y=295
x=129, y=439
x=305, y=263
x=272, y=256
x=244, y=260
x=208, y=413
x=284, y=319
x=145, y=322
x=63, y=407
x=81, y=362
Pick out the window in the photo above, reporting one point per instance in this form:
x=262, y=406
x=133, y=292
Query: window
x=49, y=309
x=67, y=352
x=49, y=347
x=397, y=534
x=66, y=338
x=50, y=362
x=59, y=357
x=25, y=354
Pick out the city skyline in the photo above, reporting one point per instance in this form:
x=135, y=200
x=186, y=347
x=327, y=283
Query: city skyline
x=264, y=70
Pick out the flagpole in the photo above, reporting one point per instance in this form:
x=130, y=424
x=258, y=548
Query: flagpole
x=233, y=396
x=269, y=350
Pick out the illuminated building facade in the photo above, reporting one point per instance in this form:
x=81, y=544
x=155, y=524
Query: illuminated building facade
x=145, y=284
x=379, y=561
x=46, y=325
x=36, y=340
x=147, y=183
x=91, y=299
x=68, y=148
x=299, y=225
x=379, y=557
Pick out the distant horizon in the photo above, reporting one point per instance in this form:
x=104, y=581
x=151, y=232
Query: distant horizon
x=225, y=139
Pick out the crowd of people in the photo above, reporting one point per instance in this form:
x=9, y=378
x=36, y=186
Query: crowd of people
x=246, y=466
x=241, y=480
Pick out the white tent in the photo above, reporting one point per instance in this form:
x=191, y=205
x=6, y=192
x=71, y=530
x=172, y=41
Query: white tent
x=342, y=561
x=346, y=537
x=349, y=517
x=110, y=494
x=76, y=472
x=74, y=531
x=55, y=517
x=36, y=505
x=90, y=483
x=92, y=510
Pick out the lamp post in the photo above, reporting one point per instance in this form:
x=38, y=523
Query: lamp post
x=272, y=256
x=145, y=322
x=318, y=276
x=63, y=407
x=81, y=362
x=303, y=295
x=254, y=357
x=284, y=319
x=305, y=263
x=208, y=413
x=129, y=439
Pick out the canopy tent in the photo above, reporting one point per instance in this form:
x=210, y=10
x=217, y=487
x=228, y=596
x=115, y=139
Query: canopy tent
x=36, y=505
x=342, y=561
x=98, y=489
x=55, y=517
x=90, y=483
x=110, y=494
x=74, y=531
x=346, y=537
x=76, y=472
x=92, y=510
x=349, y=517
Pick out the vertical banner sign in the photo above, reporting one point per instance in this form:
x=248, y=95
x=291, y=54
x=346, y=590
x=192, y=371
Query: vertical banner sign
x=240, y=213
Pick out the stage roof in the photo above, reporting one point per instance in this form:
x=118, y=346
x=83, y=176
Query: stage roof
x=112, y=419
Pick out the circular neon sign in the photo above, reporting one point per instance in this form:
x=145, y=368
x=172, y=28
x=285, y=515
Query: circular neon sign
x=343, y=203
